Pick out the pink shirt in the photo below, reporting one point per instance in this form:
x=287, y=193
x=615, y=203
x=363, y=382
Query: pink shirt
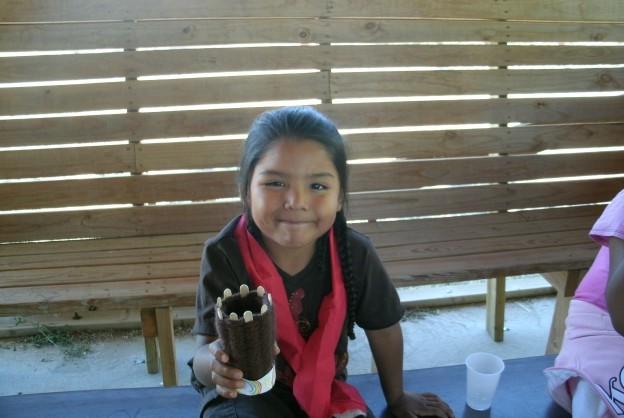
x=610, y=224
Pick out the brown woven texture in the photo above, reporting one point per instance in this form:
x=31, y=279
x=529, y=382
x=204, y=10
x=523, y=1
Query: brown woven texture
x=249, y=344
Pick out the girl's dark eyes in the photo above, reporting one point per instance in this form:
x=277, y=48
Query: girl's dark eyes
x=275, y=183
x=313, y=186
x=318, y=186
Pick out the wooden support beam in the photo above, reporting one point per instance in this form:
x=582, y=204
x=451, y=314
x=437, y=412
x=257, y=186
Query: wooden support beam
x=166, y=343
x=150, y=333
x=495, y=308
x=565, y=282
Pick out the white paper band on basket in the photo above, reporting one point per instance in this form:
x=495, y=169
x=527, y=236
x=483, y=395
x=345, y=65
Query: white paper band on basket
x=256, y=387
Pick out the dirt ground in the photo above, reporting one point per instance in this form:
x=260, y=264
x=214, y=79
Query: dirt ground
x=116, y=359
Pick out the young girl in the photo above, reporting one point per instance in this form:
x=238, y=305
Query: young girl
x=587, y=379
x=324, y=277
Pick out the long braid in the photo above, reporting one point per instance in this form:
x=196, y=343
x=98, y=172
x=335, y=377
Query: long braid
x=346, y=261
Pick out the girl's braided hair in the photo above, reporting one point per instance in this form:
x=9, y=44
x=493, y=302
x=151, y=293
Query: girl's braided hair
x=304, y=123
x=346, y=261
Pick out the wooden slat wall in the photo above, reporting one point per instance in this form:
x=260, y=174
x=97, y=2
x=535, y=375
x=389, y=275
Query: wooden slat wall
x=459, y=63
x=79, y=10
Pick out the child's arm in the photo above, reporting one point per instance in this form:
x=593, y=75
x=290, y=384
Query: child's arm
x=387, y=348
x=211, y=369
x=615, y=286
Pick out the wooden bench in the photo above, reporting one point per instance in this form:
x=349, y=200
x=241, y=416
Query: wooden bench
x=521, y=393
x=117, y=162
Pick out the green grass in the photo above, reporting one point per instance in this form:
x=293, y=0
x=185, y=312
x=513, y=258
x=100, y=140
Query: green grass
x=413, y=314
x=75, y=344
x=71, y=344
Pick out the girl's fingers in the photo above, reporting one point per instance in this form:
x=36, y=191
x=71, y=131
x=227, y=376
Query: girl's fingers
x=435, y=401
x=226, y=387
x=227, y=379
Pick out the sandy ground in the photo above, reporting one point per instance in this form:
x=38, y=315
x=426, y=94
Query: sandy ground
x=433, y=337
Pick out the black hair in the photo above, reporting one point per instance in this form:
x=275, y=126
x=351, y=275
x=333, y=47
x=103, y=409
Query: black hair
x=303, y=123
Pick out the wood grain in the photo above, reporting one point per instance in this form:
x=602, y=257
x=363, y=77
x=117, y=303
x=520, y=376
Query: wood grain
x=485, y=136
x=76, y=10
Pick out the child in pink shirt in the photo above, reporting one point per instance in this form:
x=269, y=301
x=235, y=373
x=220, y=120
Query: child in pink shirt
x=588, y=376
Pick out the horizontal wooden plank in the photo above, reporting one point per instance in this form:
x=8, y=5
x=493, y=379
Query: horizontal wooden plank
x=493, y=265
x=536, y=111
x=493, y=82
x=128, y=272
x=137, y=190
x=404, y=174
x=135, y=94
x=417, y=251
x=74, y=10
x=479, y=142
x=407, y=145
x=91, y=258
x=528, y=237
x=120, y=159
x=38, y=254
x=577, y=110
x=407, y=239
x=470, y=55
x=192, y=218
x=562, y=10
x=133, y=268
x=493, y=260
x=559, y=10
x=67, y=161
x=198, y=32
x=463, y=200
x=544, y=238
x=513, y=232
x=188, y=155
x=134, y=126
x=207, y=91
x=120, y=222
x=159, y=33
x=96, y=296
x=495, y=111
x=441, y=231
x=478, y=170
x=133, y=64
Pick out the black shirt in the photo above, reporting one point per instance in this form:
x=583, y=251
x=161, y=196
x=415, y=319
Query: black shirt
x=378, y=305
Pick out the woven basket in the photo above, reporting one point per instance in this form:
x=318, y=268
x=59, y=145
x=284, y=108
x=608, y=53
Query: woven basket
x=246, y=326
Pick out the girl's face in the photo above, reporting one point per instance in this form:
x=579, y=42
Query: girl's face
x=294, y=195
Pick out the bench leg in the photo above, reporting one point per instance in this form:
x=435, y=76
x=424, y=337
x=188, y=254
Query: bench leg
x=495, y=308
x=565, y=282
x=158, y=324
x=166, y=343
x=557, y=327
x=150, y=332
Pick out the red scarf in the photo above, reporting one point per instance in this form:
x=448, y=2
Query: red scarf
x=314, y=386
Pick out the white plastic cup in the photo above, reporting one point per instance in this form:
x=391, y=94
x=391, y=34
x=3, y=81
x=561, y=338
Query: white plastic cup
x=483, y=371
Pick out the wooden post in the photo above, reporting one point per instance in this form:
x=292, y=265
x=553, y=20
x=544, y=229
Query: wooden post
x=150, y=332
x=565, y=282
x=166, y=343
x=495, y=308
